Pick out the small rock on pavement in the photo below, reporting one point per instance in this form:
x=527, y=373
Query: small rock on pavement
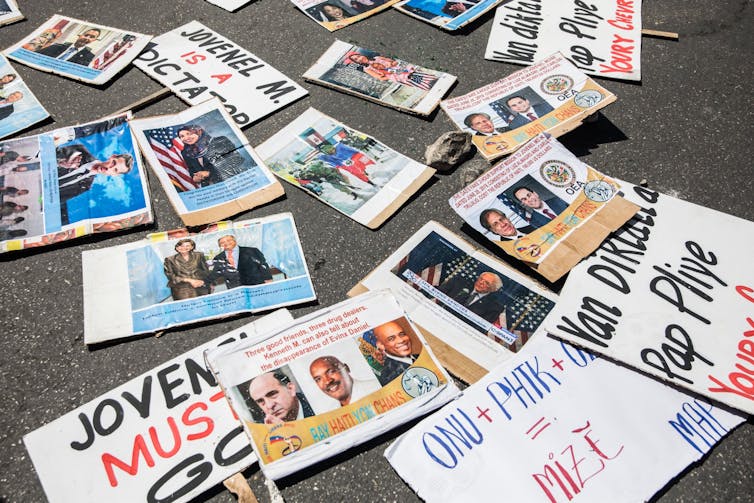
x=449, y=150
x=472, y=170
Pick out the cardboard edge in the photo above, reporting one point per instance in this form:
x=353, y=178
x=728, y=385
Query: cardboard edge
x=404, y=196
x=230, y=208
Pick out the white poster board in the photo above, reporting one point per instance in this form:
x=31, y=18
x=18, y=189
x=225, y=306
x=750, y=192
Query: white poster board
x=553, y=424
x=670, y=294
x=601, y=37
x=167, y=433
x=197, y=63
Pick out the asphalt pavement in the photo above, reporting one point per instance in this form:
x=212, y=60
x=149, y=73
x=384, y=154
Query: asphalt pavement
x=686, y=129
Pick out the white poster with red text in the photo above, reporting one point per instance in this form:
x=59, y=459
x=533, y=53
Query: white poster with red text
x=167, y=435
x=600, y=37
x=555, y=424
x=672, y=294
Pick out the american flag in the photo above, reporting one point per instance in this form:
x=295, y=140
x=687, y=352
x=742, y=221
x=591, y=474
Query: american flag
x=167, y=147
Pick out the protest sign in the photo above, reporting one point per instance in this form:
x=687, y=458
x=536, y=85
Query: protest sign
x=552, y=96
x=475, y=310
x=446, y=14
x=198, y=64
x=19, y=108
x=176, y=278
x=670, y=295
x=71, y=182
x=600, y=38
x=555, y=424
x=329, y=381
x=344, y=168
x=229, y=5
x=166, y=435
x=544, y=206
x=205, y=163
x=78, y=49
x=379, y=78
x=337, y=14
x=9, y=12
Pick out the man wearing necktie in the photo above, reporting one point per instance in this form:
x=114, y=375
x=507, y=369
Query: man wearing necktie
x=76, y=52
x=482, y=297
x=546, y=209
x=525, y=112
x=239, y=265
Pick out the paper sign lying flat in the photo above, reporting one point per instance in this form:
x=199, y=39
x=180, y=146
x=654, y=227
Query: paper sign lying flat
x=479, y=310
x=330, y=380
x=19, y=108
x=446, y=14
x=337, y=14
x=544, y=206
x=78, y=49
x=553, y=96
x=553, y=424
x=672, y=294
x=9, y=12
x=179, y=278
x=601, y=37
x=205, y=164
x=344, y=168
x=197, y=63
x=165, y=435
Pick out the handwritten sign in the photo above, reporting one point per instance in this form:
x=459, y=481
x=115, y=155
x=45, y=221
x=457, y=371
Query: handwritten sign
x=197, y=64
x=602, y=37
x=167, y=435
x=555, y=424
x=671, y=293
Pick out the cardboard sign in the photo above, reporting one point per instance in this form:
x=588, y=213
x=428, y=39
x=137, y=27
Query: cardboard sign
x=176, y=278
x=671, y=295
x=543, y=206
x=475, y=310
x=344, y=168
x=554, y=424
x=383, y=79
x=330, y=380
x=197, y=64
x=167, y=435
x=78, y=49
x=9, y=12
x=553, y=96
x=19, y=108
x=71, y=182
x=602, y=37
x=446, y=14
x=205, y=163
x=337, y=14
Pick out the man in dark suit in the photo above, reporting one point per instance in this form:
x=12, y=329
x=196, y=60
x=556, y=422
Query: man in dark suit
x=77, y=169
x=542, y=210
x=396, y=345
x=239, y=265
x=498, y=223
x=6, y=105
x=482, y=125
x=278, y=398
x=482, y=297
x=525, y=112
x=75, y=52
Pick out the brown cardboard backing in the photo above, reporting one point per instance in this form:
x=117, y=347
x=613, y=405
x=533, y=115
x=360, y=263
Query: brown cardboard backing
x=586, y=238
x=224, y=210
x=418, y=182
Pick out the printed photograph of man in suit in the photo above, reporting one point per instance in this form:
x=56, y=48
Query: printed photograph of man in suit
x=400, y=351
x=524, y=111
x=74, y=52
x=278, y=399
x=239, y=265
x=482, y=295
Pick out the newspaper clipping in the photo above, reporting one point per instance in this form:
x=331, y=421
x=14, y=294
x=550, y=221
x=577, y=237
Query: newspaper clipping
x=337, y=14
x=559, y=425
x=600, y=38
x=670, y=293
x=9, y=12
x=88, y=454
x=479, y=307
x=71, y=182
x=205, y=164
x=446, y=14
x=552, y=96
x=344, y=168
x=197, y=64
x=79, y=49
x=544, y=206
x=174, y=279
x=19, y=108
x=376, y=77
x=329, y=381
